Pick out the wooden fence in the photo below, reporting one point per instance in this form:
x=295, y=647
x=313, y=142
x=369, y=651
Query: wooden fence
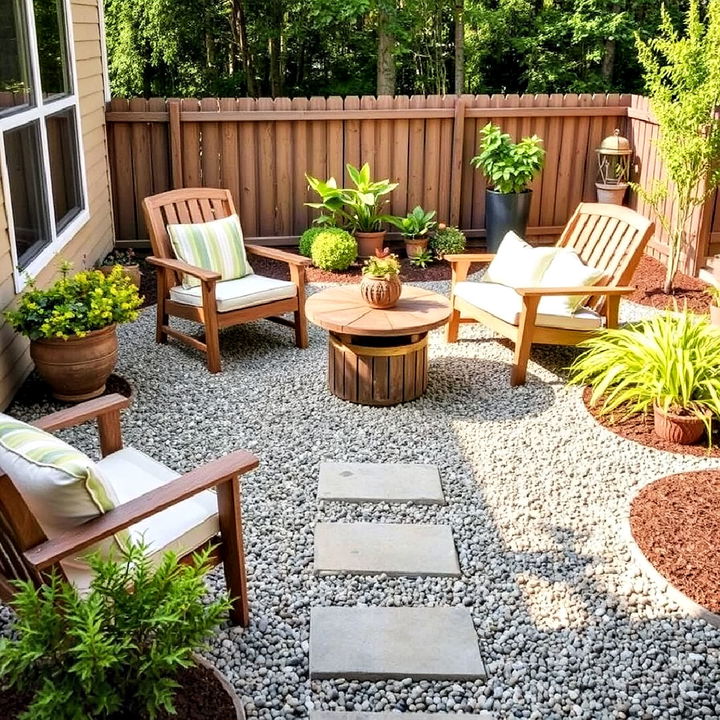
x=261, y=150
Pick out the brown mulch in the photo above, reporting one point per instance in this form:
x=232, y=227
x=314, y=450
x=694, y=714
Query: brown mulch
x=649, y=279
x=640, y=429
x=676, y=523
x=201, y=697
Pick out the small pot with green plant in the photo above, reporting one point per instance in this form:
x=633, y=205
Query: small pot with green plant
x=126, y=259
x=126, y=648
x=447, y=240
x=508, y=168
x=357, y=209
x=380, y=286
x=714, y=292
x=415, y=228
x=670, y=363
x=72, y=328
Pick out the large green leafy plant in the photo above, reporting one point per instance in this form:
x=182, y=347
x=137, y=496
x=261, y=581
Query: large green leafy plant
x=76, y=305
x=508, y=167
x=113, y=653
x=682, y=76
x=357, y=209
x=672, y=360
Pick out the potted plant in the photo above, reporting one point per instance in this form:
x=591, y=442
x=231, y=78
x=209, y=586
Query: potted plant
x=126, y=260
x=670, y=363
x=72, y=328
x=357, y=209
x=124, y=649
x=508, y=168
x=714, y=292
x=414, y=228
x=380, y=285
x=447, y=240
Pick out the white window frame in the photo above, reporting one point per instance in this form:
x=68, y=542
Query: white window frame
x=38, y=113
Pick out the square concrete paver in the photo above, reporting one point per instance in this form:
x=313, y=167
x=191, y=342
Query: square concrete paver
x=373, y=643
x=380, y=482
x=394, y=549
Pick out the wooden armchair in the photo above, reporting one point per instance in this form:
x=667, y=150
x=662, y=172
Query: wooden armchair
x=199, y=205
x=27, y=554
x=608, y=237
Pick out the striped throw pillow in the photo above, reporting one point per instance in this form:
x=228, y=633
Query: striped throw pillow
x=61, y=485
x=216, y=245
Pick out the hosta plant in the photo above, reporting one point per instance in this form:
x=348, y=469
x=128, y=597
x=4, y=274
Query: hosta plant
x=114, y=652
x=671, y=360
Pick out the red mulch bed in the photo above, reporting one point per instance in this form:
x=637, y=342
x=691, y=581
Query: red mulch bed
x=640, y=429
x=201, y=697
x=676, y=523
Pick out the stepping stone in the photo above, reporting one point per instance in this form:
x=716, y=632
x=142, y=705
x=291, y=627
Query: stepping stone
x=356, y=715
x=394, y=549
x=380, y=482
x=375, y=643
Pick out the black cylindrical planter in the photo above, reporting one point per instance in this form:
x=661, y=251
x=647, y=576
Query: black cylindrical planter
x=503, y=213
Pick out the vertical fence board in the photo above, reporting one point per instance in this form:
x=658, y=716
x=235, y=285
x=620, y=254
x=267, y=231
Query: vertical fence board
x=267, y=165
x=299, y=159
x=399, y=152
x=416, y=155
x=248, y=162
x=284, y=192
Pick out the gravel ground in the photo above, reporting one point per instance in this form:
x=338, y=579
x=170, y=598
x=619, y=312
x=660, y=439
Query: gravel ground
x=537, y=496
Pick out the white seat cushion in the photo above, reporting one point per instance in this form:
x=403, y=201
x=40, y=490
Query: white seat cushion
x=182, y=527
x=504, y=303
x=240, y=293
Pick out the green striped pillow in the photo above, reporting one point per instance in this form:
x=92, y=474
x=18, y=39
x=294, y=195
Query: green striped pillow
x=216, y=245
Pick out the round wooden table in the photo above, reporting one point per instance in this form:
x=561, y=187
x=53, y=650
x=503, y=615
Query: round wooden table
x=377, y=357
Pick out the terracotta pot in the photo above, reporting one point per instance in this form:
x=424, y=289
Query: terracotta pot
x=369, y=242
x=414, y=246
x=226, y=686
x=680, y=429
x=77, y=368
x=380, y=292
x=715, y=315
x=611, y=194
x=132, y=271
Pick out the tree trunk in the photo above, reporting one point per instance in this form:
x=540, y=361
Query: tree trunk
x=385, y=57
x=276, y=83
x=459, y=18
x=240, y=38
x=608, y=63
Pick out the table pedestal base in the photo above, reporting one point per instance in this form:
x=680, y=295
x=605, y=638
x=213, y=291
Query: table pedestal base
x=377, y=370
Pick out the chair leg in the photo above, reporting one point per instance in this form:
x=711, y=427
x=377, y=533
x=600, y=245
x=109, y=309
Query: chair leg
x=297, y=275
x=233, y=549
x=453, y=326
x=162, y=317
x=523, y=343
x=212, y=331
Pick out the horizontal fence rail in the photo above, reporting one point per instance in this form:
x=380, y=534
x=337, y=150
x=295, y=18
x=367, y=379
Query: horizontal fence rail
x=261, y=149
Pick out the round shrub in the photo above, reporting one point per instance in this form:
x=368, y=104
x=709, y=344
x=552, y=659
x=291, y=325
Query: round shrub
x=334, y=249
x=447, y=240
x=308, y=238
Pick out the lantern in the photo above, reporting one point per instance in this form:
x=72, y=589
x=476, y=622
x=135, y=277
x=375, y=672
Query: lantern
x=613, y=155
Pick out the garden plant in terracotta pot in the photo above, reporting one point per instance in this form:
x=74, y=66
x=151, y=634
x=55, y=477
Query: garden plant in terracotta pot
x=126, y=259
x=670, y=364
x=126, y=648
x=72, y=328
x=380, y=285
x=357, y=209
x=714, y=292
x=415, y=228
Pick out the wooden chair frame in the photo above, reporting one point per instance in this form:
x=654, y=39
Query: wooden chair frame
x=198, y=205
x=611, y=237
x=27, y=554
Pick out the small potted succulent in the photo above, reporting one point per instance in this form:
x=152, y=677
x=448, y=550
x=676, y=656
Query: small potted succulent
x=380, y=285
x=357, y=209
x=126, y=259
x=509, y=168
x=72, y=328
x=714, y=292
x=415, y=228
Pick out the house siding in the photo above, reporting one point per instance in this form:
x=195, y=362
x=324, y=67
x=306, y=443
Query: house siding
x=95, y=238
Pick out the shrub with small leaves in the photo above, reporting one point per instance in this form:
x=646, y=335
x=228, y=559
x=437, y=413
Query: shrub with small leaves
x=334, y=249
x=447, y=240
x=114, y=652
x=307, y=239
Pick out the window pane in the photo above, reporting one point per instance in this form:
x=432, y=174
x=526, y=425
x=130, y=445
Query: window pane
x=27, y=197
x=52, y=50
x=15, y=88
x=64, y=167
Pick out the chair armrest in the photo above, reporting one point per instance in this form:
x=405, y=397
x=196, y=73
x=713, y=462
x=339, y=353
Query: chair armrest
x=88, y=410
x=214, y=473
x=183, y=267
x=584, y=290
x=281, y=255
x=469, y=257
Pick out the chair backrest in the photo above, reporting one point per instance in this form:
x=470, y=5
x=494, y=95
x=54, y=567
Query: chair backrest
x=609, y=237
x=188, y=205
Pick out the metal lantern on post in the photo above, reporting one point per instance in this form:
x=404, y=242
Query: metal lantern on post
x=613, y=156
